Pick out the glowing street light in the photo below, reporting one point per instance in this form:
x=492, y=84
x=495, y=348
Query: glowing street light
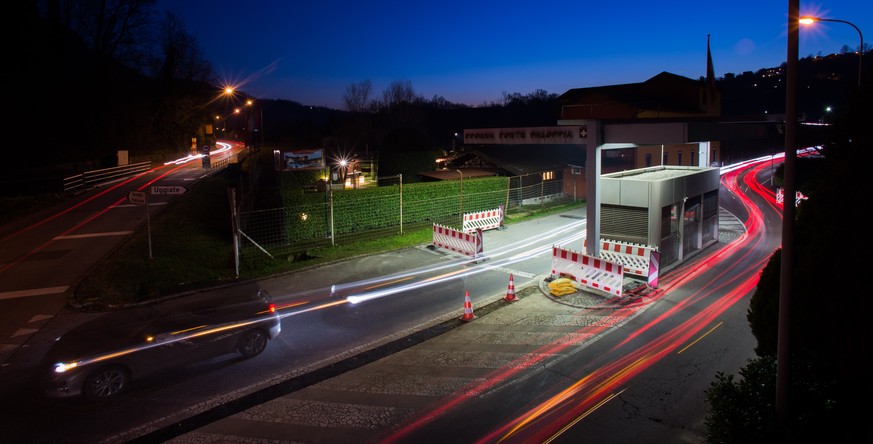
x=807, y=21
x=343, y=164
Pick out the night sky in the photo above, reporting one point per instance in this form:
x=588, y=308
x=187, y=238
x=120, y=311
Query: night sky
x=473, y=52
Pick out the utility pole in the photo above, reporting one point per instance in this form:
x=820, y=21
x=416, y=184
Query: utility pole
x=783, y=348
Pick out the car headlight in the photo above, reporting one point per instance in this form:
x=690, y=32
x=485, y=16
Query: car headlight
x=62, y=367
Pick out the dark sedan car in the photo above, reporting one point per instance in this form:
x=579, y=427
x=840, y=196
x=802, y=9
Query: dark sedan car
x=98, y=359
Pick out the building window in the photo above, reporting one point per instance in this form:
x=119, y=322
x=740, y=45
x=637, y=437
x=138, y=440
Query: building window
x=679, y=158
x=666, y=159
x=648, y=160
x=548, y=175
x=692, y=158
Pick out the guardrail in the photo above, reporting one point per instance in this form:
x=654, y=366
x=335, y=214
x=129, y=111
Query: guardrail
x=93, y=178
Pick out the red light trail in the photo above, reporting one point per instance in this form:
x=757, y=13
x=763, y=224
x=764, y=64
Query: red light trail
x=546, y=420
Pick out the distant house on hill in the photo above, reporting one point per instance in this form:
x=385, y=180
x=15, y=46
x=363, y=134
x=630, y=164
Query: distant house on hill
x=665, y=95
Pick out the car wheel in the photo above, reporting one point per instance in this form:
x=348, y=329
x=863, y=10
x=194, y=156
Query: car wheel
x=106, y=382
x=252, y=343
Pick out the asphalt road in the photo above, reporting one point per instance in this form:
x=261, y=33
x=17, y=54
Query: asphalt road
x=326, y=341
x=542, y=369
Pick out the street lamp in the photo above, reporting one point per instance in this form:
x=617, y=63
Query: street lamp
x=786, y=269
x=343, y=163
x=810, y=20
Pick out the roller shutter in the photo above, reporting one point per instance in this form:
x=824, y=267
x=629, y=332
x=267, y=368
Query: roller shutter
x=628, y=224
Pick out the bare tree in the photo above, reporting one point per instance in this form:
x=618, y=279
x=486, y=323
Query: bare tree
x=540, y=95
x=357, y=96
x=397, y=93
x=179, y=54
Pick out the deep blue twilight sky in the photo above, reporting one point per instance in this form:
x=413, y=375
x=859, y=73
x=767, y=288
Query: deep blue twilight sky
x=471, y=52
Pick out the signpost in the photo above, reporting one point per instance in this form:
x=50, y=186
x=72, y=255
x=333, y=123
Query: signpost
x=168, y=189
x=137, y=197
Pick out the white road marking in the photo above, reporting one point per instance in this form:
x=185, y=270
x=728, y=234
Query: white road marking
x=33, y=292
x=40, y=317
x=24, y=331
x=103, y=234
x=523, y=274
x=151, y=204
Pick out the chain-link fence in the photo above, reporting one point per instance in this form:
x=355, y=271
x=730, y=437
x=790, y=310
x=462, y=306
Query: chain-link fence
x=335, y=217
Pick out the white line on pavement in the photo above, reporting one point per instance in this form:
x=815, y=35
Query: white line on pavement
x=33, y=292
x=103, y=234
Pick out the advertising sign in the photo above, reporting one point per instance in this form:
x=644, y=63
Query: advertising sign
x=303, y=160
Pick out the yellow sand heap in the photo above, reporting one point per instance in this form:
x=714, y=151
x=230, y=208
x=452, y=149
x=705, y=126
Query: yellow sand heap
x=561, y=287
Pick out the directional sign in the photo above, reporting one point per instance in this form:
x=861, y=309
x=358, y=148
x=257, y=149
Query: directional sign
x=168, y=189
x=137, y=197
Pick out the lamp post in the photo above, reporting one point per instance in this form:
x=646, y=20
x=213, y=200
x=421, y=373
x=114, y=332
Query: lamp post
x=810, y=20
x=786, y=269
x=343, y=163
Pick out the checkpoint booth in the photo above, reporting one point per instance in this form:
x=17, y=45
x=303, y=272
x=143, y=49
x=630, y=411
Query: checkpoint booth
x=643, y=219
x=673, y=209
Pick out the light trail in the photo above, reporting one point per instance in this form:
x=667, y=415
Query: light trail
x=557, y=414
x=66, y=233
x=552, y=415
x=534, y=246
x=223, y=148
x=538, y=241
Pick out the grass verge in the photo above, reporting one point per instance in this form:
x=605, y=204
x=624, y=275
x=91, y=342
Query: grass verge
x=190, y=249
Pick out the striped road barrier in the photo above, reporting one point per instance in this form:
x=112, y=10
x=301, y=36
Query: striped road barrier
x=589, y=271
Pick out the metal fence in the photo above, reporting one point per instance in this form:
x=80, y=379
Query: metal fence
x=284, y=232
x=93, y=178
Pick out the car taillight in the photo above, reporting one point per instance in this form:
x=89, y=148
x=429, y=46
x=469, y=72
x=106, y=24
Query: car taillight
x=271, y=308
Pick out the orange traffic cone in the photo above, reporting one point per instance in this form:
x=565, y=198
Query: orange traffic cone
x=468, y=308
x=510, y=292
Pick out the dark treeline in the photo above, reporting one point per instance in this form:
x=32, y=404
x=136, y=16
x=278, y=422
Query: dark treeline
x=90, y=78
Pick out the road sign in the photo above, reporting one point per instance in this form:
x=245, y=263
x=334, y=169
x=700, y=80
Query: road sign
x=168, y=189
x=137, y=197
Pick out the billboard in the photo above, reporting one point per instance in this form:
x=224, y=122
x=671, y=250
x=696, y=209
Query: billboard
x=303, y=160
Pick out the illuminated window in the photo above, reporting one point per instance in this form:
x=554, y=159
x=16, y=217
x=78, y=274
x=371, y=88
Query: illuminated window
x=548, y=175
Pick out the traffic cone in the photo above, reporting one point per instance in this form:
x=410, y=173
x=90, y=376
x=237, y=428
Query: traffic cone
x=510, y=292
x=468, y=308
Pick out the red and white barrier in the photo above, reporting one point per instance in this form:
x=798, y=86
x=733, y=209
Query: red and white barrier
x=798, y=196
x=484, y=220
x=589, y=271
x=469, y=244
x=654, y=265
x=637, y=259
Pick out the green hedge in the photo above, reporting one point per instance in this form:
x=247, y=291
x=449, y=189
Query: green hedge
x=307, y=215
